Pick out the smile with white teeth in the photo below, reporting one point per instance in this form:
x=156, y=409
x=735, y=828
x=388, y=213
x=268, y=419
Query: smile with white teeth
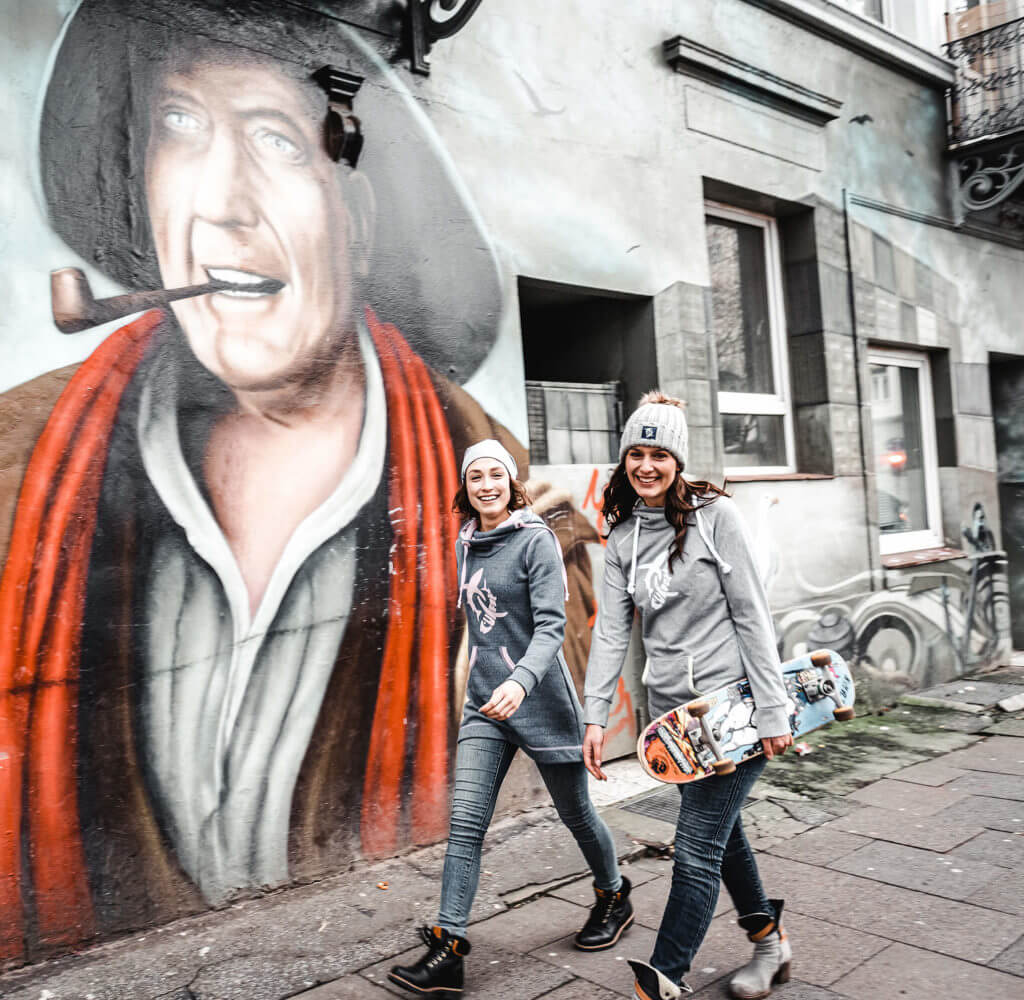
x=239, y=279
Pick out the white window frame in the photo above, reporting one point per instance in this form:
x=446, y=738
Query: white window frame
x=755, y=403
x=930, y=537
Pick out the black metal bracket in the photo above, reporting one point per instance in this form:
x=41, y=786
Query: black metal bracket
x=343, y=134
x=428, y=21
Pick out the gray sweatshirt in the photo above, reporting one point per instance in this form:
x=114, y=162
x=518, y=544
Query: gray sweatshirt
x=512, y=585
x=705, y=624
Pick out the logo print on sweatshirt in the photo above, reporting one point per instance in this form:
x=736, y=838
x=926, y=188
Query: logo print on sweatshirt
x=658, y=580
x=483, y=602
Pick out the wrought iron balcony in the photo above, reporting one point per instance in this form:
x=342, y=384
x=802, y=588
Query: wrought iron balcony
x=987, y=102
x=986, y=128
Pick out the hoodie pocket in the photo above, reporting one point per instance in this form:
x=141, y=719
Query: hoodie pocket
x=508, y=659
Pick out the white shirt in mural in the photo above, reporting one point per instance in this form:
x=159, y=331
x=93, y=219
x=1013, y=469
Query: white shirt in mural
x=229, y=699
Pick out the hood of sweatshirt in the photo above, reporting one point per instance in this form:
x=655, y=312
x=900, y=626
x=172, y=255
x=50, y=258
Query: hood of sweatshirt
x=484, y=543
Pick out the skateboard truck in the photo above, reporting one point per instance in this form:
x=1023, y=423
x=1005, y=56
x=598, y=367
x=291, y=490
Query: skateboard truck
x=721, y=764
x=824, y=687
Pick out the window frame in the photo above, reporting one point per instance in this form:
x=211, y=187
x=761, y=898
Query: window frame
x=932, y=536
x=779, y=403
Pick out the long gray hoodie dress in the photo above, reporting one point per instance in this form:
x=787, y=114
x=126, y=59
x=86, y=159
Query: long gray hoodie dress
x=705, y=624
x=512, y=585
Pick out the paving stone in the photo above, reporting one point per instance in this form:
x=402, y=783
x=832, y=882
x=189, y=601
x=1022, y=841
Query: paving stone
x=1009, y=727
x=815, y=952
x=807, y=813
x=1011, y=960
x=795, y=990
x=1000, y=786
x=995, y=847
x=888, y=911
x=901, y=796
x=913, y=868
x=971, y=692
x=819, y=846
x=993, y=814
x=916, y=974
x=929, y=772
x=491, y=972
x=528, y=927
x=1004, y=893
x=903, y=828
x=606, y=968
x=580, y=989
x=1002, y=754
x=349, y=988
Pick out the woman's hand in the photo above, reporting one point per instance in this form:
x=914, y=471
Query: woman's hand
x=776, y=745
x=505, y=700
x=593, y=750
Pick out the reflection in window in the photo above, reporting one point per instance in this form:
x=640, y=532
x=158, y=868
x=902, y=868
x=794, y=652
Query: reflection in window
x=574, y=423
x=749, y=327
x=905, y=461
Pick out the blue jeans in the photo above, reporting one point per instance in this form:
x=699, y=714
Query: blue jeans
x=480, y=768
x=710, y=847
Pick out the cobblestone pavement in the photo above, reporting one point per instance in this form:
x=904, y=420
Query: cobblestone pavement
x=897, y=842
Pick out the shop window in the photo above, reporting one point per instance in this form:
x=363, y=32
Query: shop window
x=749, y=331
x=905, y=453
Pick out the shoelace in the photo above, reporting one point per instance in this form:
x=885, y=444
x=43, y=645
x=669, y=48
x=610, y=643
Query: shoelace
x=604, y=914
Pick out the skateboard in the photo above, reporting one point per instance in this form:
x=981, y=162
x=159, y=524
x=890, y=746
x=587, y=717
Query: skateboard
x=717, y=731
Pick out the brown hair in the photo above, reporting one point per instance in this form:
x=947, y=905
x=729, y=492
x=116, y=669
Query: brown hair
x=518, y=498
x=683, y=496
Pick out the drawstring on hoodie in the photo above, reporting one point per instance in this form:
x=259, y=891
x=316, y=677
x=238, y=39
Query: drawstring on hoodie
x=725, y=567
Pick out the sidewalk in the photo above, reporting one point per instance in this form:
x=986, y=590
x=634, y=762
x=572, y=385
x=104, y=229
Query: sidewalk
x=897, y=842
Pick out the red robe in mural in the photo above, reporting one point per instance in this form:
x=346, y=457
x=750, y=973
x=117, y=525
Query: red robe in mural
x=81, y=841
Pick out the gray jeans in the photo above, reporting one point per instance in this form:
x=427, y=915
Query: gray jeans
x=480, y=768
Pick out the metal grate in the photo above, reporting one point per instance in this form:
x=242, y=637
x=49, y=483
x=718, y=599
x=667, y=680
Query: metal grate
x=663, y=804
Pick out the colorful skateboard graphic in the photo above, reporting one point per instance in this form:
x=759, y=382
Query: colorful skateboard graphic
x=714, y=733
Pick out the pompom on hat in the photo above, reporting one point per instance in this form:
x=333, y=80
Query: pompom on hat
x=489, y=448
x=658, y=422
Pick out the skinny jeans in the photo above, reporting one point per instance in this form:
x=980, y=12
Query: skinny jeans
x=480, y=768
x=710, y=847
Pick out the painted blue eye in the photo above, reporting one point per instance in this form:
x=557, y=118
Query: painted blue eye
x=277, y=144
x=181, y=121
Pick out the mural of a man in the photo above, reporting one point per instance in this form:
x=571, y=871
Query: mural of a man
x=227, y=629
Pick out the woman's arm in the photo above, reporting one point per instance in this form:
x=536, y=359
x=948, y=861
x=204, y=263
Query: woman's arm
x=748, y=605
x=547, y=604
x=609, y=641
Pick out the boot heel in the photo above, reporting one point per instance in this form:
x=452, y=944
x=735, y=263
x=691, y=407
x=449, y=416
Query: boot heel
x=782, y=976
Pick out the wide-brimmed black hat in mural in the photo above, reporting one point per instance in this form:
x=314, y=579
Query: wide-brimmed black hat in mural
x=427, y=265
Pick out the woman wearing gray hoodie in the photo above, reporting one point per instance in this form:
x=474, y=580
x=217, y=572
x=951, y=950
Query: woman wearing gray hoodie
x=519, y=696
x=679, y=555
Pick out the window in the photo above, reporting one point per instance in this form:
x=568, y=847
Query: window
x=574, y=423
x=906, y=464
x=875, y=10
x=749, y=330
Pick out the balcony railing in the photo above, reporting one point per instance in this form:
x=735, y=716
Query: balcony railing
x=987, y=101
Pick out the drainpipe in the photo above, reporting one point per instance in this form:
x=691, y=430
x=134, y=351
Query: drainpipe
x=873, y=562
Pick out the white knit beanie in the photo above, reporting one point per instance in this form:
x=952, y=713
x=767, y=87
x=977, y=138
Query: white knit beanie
x=657, y=425
x=489, y=449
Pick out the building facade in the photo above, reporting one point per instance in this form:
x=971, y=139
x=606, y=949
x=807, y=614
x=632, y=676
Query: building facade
x=230, y=654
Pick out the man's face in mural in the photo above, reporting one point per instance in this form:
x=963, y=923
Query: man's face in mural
x=240, y=188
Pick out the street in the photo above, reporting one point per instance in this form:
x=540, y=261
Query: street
x=897, y=842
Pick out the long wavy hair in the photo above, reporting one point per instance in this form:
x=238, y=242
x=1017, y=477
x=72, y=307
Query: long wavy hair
x=684, y=496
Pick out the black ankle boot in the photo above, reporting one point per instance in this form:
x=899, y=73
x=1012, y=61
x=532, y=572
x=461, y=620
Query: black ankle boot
x=439, y=972
x=610, y=915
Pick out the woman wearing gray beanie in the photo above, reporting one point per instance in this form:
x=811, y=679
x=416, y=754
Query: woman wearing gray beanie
x=678, y=553
x=519, y=696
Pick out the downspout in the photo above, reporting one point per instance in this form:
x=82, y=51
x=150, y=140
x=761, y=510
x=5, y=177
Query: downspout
x=874, y=563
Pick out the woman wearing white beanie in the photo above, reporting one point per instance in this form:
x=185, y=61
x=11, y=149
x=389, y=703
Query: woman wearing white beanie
x=678, y=553
x=519, y=697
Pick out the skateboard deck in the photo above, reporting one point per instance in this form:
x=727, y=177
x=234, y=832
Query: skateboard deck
x=717, y=731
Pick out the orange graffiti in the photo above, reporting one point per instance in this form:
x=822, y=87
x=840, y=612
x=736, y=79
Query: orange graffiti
x=622, y=706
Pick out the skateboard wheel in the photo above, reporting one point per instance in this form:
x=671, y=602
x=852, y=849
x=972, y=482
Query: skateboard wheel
x=697, y=709
x=844, y=713
x=821, y=658
x=723, y=766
